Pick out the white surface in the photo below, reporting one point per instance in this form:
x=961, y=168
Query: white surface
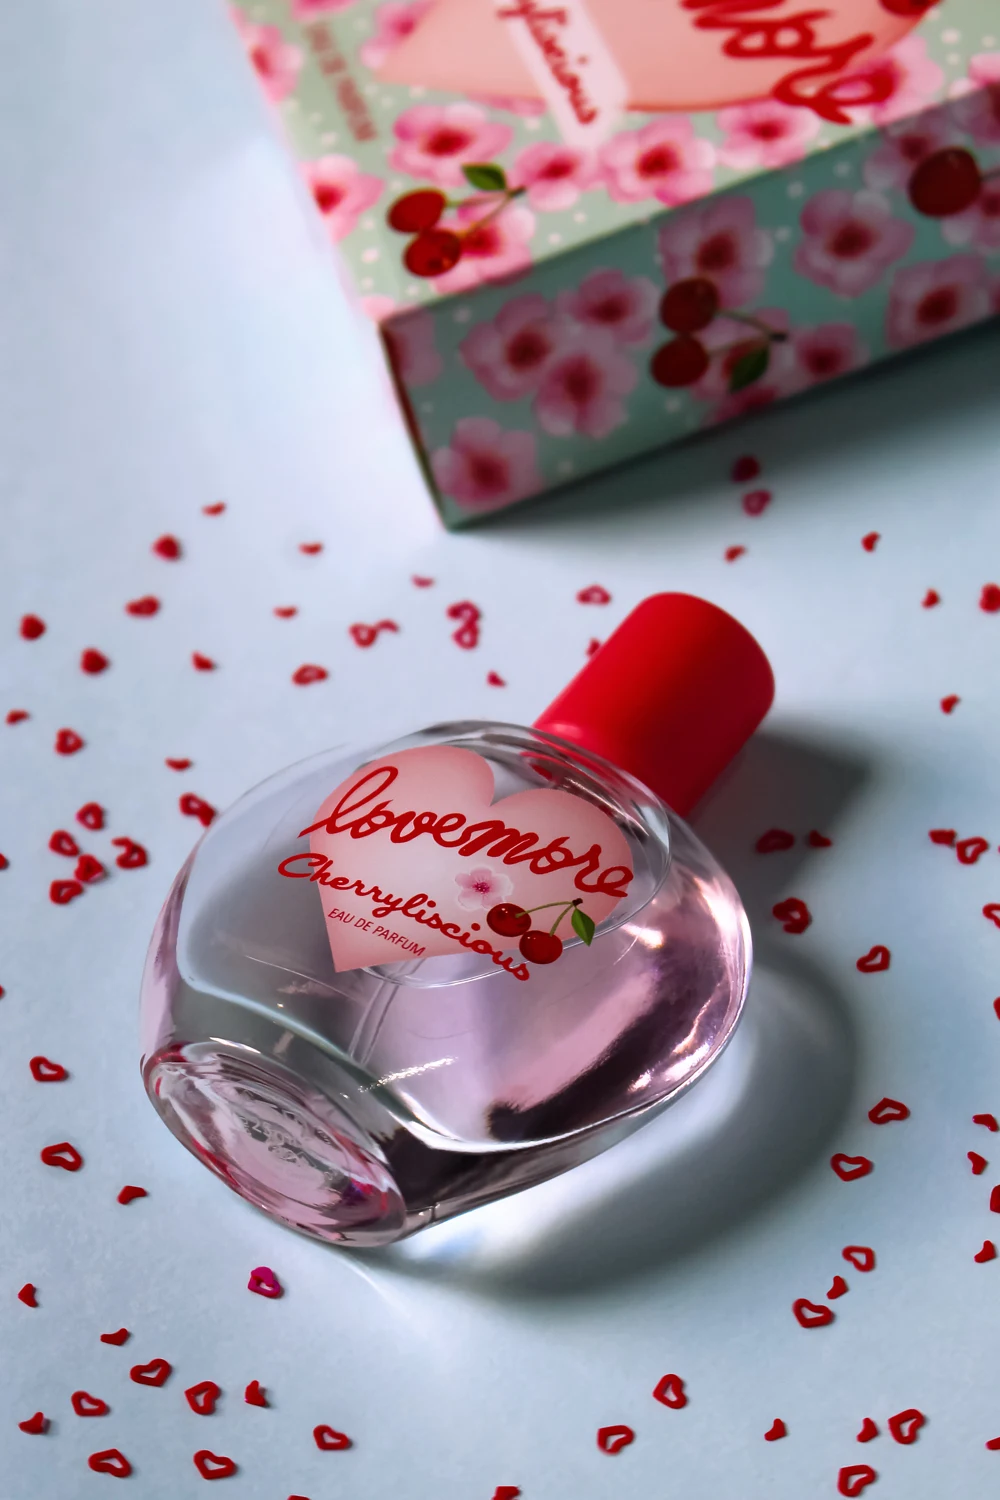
x=172, y=335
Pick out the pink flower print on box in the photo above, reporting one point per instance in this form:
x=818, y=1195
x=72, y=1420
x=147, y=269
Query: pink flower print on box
x=582, y=388
x=904, y=146
x=415, y=357
x=304, y=10
x=554, y=175
x=394, y=22
x=936, y=297
x=485, y=467
x=979, y=112
x=341, y=191
x=482, y=888
x=624, y=305
x=849, y=240
x=435, y=141
x=277, y=62
x=980, y=224
x=526, y=108
x=765, y=133
x=664, y=160
x=494, y=245
x=721, y=242
x=903, y=80
x=509, y=355
x=828, y=350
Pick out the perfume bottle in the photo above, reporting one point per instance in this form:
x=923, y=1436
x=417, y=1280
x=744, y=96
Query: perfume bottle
x=393, y=984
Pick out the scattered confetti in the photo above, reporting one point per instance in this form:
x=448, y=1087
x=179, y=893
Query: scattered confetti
x=121, y=1336
x=264, y=1282
x=155, y=1373
x=202, y=1397
x=855, y=1478
x=977, y=1162
x=868, y=1431
x=987, y=1253
x=774, y=841
x=595, y=594
x=875, y=961
x=167, y=547
x=129, y=1194
x=202, y=663
x=776, y=1430
x=861, y=1257
x=255, y=1395
x=309, y=673
x=329, y=1440
x=949, y=704
x=86, y=1405
x=732, y=553
x=755, y=502
x=793, y=914
x=871, y=540
x=989, y=599
x=68, y=742
x=93, y=661
x=812, y=1314
x=91, y=815
x=850, y=1168
x=28, y=1295
x=110, y=1461
x=45, y=1071
x=989, y=1121
x=39, y=1423
x=62, y=1155
x=613, y=1439
x=213, y=1465
x=132, y=857
x=888, y=1110
x=178, y=763
x=837, y=1289
x=147, y=605
x=196, y=807
x=32, y=627
x=311, y=549
x=931, y=598
x=905, y=1426
x=745, y=468
x=669, y=1391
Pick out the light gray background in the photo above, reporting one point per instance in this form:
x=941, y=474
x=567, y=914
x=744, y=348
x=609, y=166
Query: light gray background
x=171, y=333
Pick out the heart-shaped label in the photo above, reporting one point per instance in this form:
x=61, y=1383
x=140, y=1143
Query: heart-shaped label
x=861, y=1257
x=213, y=1465
x=850, y=1168
x=45, y=1071
x=415, y=859
x=155, y=1373
x=905, y=1425
x=855, y=1478
x=202, y=1397
x=811, y=1314
x=86, y=1405
x=110, y=1461
x=614, y=1439
x=329, y=1440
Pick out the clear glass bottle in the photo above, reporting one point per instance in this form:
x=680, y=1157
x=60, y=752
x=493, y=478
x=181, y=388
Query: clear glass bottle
x=365, y=1103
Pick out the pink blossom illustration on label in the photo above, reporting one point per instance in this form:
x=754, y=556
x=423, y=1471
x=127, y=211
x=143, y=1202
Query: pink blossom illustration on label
x=414, y=859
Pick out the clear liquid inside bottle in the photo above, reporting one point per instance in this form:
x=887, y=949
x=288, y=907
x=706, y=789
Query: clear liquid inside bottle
x=364, y=1105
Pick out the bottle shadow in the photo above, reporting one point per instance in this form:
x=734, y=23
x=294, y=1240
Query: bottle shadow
x=744, y=1134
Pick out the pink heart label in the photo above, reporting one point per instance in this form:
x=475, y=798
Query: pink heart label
x=413, y=858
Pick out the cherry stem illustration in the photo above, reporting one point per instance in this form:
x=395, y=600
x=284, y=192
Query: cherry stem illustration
x=506, y=195
x=774, y=335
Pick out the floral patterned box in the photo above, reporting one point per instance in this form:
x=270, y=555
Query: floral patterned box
x=591, y=227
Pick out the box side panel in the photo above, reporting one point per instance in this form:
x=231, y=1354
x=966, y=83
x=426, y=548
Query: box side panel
x=819, y=269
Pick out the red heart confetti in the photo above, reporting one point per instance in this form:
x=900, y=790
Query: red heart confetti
x=88, y=870
x=86, y=1405
x=811, y=1314
x=264, y=1282
x=286, y=611
x=202, y=1397
x=133, y=855
x=776, y=1430
x=156, y=1372
x=329, y=1440
x=979, y=1163
x=990, y=1121
x=838, y=1288
x=28, y=1295
x=129, y=1194
x=62, y=892
x=36, y=1424
x=467, y=634
x=196, y=807
x=178, y=763
x=774, y=841
x=989, y=599
x=309, y=673
x=311, y=549
x=850, y=1168
x=62, y=842
x=732, y=553
x=987, y=1253
x=502, y=1492
x=214, y=510
x=793, y=914
x=855, y=1478
x=32, y=627
x=755, y=502
x=595, y=594
x=68, y=742
x=121, y=1336
x=888, y=1110
x=817, y=840
x=167, y=547
x=745, y=467
x=995, y=1200
x=861, y=1257
x=45, y=1071
x=493, y=679
x=613, y=1439
x=17, y=715
x=868, y=1431
x=875, y=961
x=593, y=646
x=93, y=661
x=991, y=911
x=669, y=1391
x=420, y=582
x=943, y=836
x=110, y=1461
x=213, y=1465
x=4, y=862
x=202, y=663
x=147, y=605
x=931, y=598
x=91, y=815
x=62, y=1155
x=969, y=850
x=905, y=1425
x=871, y=540
x=950, y=703
x=994, y=1444
x=254, y=1395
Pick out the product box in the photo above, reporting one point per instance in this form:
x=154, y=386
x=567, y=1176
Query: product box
x=590, y=227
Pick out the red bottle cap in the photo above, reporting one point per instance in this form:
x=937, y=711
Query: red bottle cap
x=670, y=697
